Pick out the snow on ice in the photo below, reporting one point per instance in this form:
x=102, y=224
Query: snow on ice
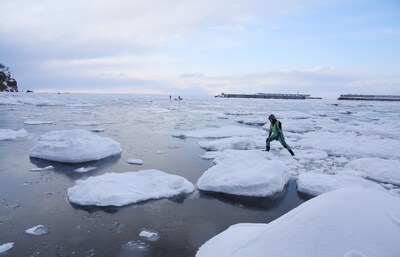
x=247, y=174
x=135, y=161
x=118, y=189
x=38, y=230
x=316, y=184
x=37, y=122
x=344, y=222
x=8, y=134
x=5, y=247
x=74, y=146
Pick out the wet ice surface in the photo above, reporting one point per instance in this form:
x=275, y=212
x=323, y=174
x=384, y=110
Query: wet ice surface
x=168, y=135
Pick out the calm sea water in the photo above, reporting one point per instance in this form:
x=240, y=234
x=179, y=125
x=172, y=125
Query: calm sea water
x=143, y=125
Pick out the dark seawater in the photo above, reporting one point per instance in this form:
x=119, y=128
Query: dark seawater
x=143, y=127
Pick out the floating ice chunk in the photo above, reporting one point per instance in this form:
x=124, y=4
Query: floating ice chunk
x=316, y=184
x=221, y=132
x=237, y=143
x=382, y=170
x=135, y=161
x=245, y=176
x=37, y=230
x=118, y=189
x=135, y=246
x=160, y=152
x=358, y=213
x=349, y=144
x=42, y=169
x=8, y=134
x=37, y=122
x=74, y=146
x=238, y=113
x=5, y=247
x=97, y=130
x=85, y=169
x=149, y=235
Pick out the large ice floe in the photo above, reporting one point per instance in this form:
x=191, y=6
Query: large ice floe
x=74, y=146
x=118, y=189
x=356, y=222
x=246, y=173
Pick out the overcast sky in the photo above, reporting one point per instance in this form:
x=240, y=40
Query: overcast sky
x=323, y=48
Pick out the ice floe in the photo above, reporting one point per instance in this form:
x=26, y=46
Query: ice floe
x=9, y=134
x=339, y=223
x=118, y=189
x=74, y=146
x=5, y=247
x=316, y=184
x=245, y=174
x=38, y=230
x=135, y=161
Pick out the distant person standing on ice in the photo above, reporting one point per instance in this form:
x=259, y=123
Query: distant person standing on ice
x=276, y=133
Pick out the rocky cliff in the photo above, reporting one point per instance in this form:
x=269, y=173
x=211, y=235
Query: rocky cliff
x=7, y=83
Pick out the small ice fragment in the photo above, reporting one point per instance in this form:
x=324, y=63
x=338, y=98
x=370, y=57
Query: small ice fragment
x=97, y=130
x=135, y=246
x=85, y=169
x=5, y=247
x=42, y=169
x=149, y=235
x=37, y=122
x=37, y=230
x=135, y=161
x=160, y=152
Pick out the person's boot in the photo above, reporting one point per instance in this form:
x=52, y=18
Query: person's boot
x=291, y=152
x=267, y=145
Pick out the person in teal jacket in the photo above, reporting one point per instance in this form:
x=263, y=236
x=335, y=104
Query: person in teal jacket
x=276, y=133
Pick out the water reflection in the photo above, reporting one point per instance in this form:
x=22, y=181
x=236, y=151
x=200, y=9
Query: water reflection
x=68, y=169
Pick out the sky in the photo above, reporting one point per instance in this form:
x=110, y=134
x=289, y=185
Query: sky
x=193, y=47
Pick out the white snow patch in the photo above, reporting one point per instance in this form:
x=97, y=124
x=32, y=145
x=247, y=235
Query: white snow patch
x=387, y=171
x=74, y=146
x=135, y=161
x=241, y=175
x=118, y=189
x=5, y=247
x=316, y=184
x=38, y=230
x=345, y=221
x=8, y=134
x=37, y=122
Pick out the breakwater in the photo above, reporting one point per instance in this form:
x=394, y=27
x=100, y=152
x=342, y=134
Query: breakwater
x=269, y=96
x=369, y=97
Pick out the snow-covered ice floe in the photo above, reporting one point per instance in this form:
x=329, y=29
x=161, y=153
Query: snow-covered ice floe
x=9, y=134
x=118, y=189
x=352, y=222
x=315, y=184
x=221, y=132
x=248, y=173
x=37, y=122
x=135, y=161
x=37, y=230
x=5, y=247
x=74, y=146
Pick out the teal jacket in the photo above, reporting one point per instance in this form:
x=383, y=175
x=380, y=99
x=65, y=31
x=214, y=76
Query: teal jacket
x=275, y=131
